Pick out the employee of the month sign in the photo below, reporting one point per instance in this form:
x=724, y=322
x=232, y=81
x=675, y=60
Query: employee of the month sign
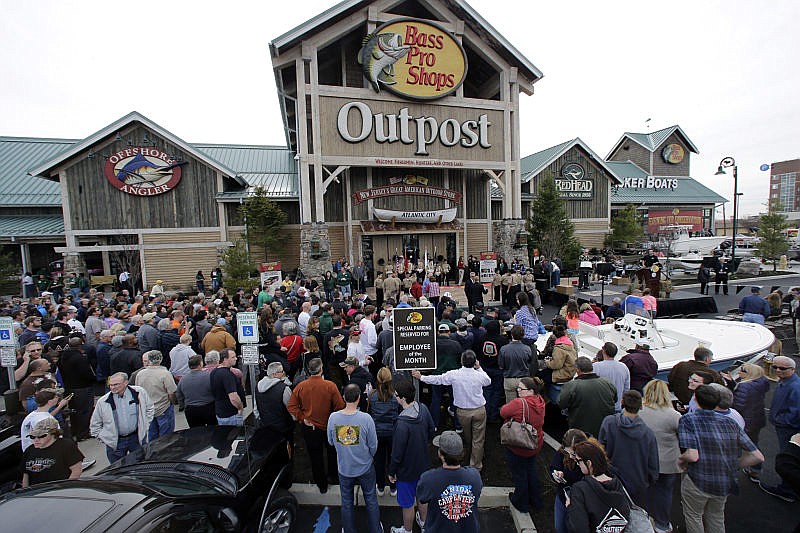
x=414, y=59
x=414, y=338
x=142, y=171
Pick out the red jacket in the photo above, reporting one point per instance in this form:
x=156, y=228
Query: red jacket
x=514, y=409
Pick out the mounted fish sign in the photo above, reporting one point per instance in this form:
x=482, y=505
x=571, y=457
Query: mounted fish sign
x=414, y=59
x=143, y=171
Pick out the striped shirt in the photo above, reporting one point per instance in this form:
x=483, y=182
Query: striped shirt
x=433, y=289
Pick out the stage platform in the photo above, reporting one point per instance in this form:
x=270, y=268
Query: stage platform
x=680, y=302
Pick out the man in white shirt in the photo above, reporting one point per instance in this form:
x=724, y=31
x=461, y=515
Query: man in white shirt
x=468, y=383
x=369, y=336
x=303, y=318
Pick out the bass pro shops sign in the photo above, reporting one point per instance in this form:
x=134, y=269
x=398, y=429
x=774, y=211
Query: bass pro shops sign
x=413, y=59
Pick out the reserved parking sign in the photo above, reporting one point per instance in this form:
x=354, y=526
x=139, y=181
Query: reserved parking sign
x=414, y=338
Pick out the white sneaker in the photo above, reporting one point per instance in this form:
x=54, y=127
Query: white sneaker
x=392, y=491
x=380, y=491
x=398, y=529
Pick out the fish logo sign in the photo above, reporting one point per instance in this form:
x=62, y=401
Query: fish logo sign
x=413, y=58
x=379, y=52
x=143, y=171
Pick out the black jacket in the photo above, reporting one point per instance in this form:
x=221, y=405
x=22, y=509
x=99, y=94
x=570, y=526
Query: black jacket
x=362, y=378
x=126, y=360
x=75, y=370
x=591, y=502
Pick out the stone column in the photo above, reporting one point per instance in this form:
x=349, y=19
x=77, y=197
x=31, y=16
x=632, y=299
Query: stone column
x=73, y=262
x=505, y=240
x=315, y=250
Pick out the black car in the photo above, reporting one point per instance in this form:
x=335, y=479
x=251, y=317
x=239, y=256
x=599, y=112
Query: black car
x=202, y=479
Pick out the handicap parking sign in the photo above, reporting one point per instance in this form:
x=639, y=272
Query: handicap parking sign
x=5, y=335
x=248, y=327
x=247, y=331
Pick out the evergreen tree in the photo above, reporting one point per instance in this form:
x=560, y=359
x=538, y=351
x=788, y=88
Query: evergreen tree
x=549, y=226
x=626, y=227
x=772, y=244
x=9, y=274
x=265, y=221
x=238, y=266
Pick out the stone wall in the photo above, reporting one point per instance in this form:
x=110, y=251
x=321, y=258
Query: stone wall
x=505, y=240
x=315, y=250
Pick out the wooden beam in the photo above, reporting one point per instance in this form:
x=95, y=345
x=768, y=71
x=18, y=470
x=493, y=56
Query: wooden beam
x=332, y=176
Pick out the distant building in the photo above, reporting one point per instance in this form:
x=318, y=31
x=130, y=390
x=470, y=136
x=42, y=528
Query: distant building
x=784, y=186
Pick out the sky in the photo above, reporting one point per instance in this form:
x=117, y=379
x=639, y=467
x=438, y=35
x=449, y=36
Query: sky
x=725, y=71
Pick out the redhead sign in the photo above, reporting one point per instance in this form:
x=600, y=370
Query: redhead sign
x=414, y=59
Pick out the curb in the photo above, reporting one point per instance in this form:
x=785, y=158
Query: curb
x=308, y=494
x=491, y=497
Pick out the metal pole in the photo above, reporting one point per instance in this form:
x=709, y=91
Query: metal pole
x=735, y=215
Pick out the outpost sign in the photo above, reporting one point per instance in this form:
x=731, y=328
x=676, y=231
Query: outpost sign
x=414, y=338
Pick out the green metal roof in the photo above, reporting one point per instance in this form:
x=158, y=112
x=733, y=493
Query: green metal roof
x=17, y=155
x=652, y=141
x=627, y=169
x=532, y=164
x=688, y=191
x=32, y=226
x=271, y=167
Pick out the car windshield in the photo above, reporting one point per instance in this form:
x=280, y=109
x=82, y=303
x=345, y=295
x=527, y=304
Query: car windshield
x=47, y=513
x=171, y=485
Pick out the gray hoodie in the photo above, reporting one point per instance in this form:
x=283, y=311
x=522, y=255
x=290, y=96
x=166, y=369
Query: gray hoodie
x=266, y=382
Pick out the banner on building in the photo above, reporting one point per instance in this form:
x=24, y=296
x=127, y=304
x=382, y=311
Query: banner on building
x=656, y=218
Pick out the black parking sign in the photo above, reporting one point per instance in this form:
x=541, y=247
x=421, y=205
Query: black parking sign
x=414, y=338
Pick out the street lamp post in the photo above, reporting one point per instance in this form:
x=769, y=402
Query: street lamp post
x=730, y=162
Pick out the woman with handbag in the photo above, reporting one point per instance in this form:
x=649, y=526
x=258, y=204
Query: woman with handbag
x=522, y=432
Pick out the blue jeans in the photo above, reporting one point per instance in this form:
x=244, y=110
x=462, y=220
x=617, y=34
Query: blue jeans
x=162, y=425
x=346, y=486
x=344, y=290
x=555, y=279
x=659, y=499
x=526, y=481
x=560, y=515
x=235, y=420
x=753, y=317
x=125, y=445
x=494, y=392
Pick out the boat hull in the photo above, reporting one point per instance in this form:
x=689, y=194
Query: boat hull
x=674, y=340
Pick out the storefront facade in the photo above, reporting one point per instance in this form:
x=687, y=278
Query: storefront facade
x=655, y=174
x=402, y=116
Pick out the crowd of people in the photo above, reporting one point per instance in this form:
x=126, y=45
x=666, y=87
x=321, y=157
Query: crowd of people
x=116, y=368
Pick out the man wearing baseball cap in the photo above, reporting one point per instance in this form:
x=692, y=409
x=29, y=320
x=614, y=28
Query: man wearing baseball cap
x=448, y=496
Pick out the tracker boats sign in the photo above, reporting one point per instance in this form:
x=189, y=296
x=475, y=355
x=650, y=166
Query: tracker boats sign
x=143, y=171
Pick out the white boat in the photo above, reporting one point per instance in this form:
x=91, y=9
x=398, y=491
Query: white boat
x=674, y=340
x=680, y=243
x=437, y=216
x=688, y=262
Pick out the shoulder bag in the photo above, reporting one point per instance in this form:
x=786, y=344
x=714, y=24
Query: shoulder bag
x=520, y=434
x=639, y=520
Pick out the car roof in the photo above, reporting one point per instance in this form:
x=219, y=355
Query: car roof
x=227, y=454
x=86, y=505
